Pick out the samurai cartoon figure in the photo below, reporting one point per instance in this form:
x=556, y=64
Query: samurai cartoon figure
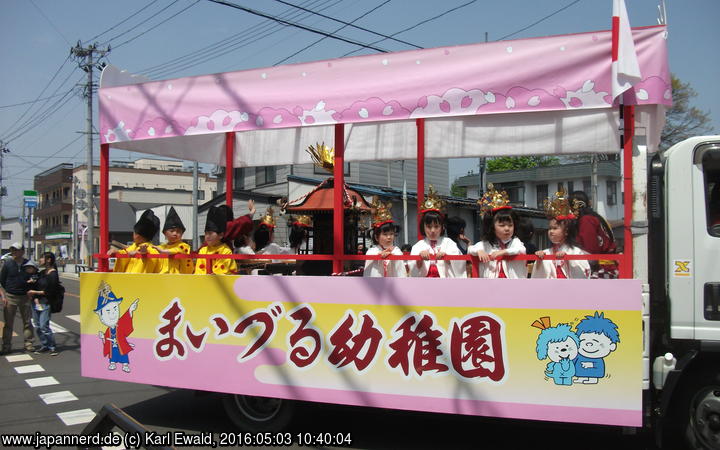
x=115, y=344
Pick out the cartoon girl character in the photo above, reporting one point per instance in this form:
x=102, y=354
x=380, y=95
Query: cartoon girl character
x=598, y=337
x=560, y=345
x=115, y=344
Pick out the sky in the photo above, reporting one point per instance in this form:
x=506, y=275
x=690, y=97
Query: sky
x=177, y=38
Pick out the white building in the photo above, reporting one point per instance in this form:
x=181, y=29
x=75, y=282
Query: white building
x=11, y=231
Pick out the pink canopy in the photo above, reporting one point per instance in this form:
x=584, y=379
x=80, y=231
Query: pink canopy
x=474, y=97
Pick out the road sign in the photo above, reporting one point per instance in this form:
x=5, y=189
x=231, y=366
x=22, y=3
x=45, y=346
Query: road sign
x=31, y=199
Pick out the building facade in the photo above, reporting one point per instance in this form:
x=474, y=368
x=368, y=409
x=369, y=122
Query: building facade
x=11, y=231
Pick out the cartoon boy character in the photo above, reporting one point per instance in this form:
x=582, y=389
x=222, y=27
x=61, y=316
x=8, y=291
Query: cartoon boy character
x=598, y=338
x=115, y=344
x=560, y=345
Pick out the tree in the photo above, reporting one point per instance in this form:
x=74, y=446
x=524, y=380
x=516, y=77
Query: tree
x=682, y=120
x=520, y=162
x=458, y=191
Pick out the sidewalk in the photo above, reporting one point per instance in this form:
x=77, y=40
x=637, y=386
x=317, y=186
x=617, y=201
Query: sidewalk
x=71, y=270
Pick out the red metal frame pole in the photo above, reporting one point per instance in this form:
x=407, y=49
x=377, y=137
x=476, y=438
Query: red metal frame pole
x=338, y=209
x=626, y=268
x=229, y=164
x=103, y=265
x=420, y=123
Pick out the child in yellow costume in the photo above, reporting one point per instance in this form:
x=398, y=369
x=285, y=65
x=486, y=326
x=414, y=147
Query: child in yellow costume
x=173, y=230
x=143, y=233
x=214, y=231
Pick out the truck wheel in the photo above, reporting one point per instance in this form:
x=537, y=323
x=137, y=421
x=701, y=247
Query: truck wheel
x=258, y=414
x=695, y=421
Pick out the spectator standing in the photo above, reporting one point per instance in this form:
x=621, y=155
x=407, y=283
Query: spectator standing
x=14, y=282
x=46, y=286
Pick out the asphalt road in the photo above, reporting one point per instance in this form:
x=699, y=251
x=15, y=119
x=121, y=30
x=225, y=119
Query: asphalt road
x=55, y=399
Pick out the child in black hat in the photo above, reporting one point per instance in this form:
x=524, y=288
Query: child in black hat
x=173, y=230
x=143, y=233
x=215, y=227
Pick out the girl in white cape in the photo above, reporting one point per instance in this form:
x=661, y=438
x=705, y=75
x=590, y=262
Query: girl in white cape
x=562, y=230
x=433, y=248
x=384, y=231
x=499, y=222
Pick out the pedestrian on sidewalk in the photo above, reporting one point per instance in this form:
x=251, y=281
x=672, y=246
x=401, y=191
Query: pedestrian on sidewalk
x=14, y=283
x=46, y=286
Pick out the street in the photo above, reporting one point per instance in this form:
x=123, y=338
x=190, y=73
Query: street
x=44, y=393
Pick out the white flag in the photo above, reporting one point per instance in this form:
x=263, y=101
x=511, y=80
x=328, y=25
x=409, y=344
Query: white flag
x=625, y=67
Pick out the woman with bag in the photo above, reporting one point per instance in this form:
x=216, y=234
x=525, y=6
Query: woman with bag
x=47, y=285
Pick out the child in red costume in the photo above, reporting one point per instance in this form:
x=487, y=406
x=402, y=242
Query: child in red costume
x=115, y=344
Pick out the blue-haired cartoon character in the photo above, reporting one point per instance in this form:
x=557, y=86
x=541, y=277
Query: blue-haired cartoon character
x=598, y=338
x=560, y=345
x=115, y=344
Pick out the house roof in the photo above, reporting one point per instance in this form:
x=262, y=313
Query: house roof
x=561, y=172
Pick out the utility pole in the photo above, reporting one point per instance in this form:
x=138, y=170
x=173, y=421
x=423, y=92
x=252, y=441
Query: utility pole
x=3, y=189
x=85, y=57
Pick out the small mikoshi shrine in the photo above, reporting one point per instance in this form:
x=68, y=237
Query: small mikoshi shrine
x=318, y=203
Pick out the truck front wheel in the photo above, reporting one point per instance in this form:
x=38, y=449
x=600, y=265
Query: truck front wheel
x=695, y=413
x=258, y=414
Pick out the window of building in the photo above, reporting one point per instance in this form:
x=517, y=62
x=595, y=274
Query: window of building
x=201, y=195
x=320, y=171
x=571, y=187
x=66, y=192
x=542, y=194
x=6, y=234
x=264, y=175
x=611, y=192
x=66, y=219
x=587, y=187
x=515, y=191
x=239, y=178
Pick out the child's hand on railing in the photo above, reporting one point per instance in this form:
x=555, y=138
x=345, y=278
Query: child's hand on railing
x=540, y=254
x=498, y=254
x=440, y=255
x=483, y=256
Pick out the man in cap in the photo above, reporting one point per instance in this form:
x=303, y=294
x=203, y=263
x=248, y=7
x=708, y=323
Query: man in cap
x=14, y=282
x=143, y=233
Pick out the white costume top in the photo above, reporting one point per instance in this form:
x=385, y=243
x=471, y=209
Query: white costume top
x=245, y=250
x=512, y=269
x=576, y=268
x=384, y=268
x=446, y=269
x=274, y=249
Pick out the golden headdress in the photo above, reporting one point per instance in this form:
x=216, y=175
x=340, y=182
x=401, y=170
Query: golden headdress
x=560, y=207
x=323, y=156
x=433, y=202
x=381, y=213
x=303, y=220
x=268, y=219
x=493, y=200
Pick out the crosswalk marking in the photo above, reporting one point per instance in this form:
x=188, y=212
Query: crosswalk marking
x=58, y=397
x=41, y=381
x=57, y=328
x=77, y=416
x=29, y=369
x=75, y=317
x=18, y=358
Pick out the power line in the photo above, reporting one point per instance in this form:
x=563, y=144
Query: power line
x=538, y=21
x=323, y=38
x=139, y=24
x=31, y=101
x=422, y=22
x=39, y=95
x=227, y=45
x=157, y=25
x=297, y=25
x=350, y=24
x=49, y=21
x=122, y=21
